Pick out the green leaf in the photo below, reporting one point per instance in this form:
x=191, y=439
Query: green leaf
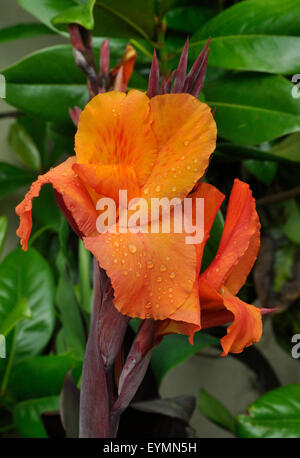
x=40, y=376
x=288, y=148
x=21, y=31
x=244, y=37
x=264, y=171
x=291, y=227
x=73, y=331
x=106, y=17
x=188, y=19
x=3, y=231
x=19, y=312
x=175, y=349
x=27, y=416
x=23, y=145
x=269, y=113
x=276, y=414
x=12, y=178
x=27, y=275
x=213, y=409
x=46, y=83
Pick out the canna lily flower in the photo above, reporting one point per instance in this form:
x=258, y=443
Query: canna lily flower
x=218, y=285
x=157, y=146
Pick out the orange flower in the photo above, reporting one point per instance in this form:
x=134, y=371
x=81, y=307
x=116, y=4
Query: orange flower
x=155, y=147
x=220, y=282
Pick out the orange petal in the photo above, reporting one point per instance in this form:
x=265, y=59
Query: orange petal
x=186, y=320
x=218, y=309
x=152, y=274
x=114, y=129
x=186, y=134
x=74, y=197
x=107, y=180
x=246, y=328
x=239, y=243
x=127, y=66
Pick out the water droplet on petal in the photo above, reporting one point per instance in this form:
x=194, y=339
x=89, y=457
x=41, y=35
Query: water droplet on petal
x=157, y=189
x=115, y=260
x=116, y=244
x=132, y=248
x=159, y=279
x=174, y=188
x=146, y=190
x=186, y=142
x=172, y=275
x=163, y=268
x=150, y=264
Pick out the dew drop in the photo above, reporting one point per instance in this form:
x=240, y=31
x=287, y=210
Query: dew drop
x=159, y=279
x=146, y=190
x=125, y=272
x=174, y=188
x=186, y=142
x=170, y=290
x=116, y=244
x=123, y=261
x=172, y=275
x=157, y=189
x=163, y=268
x=188, y=167
x=150, y=264
x=148, y=305
x=115, y=260
x=132, y=248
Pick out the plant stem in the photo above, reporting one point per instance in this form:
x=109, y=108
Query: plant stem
x=273, y=198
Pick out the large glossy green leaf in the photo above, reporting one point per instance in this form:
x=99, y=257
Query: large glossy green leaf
x=27, y=416
x=20, y=311
x=21, y=31
x=213, y=409
x=114, y=18
x=175, y=349
x=213, y=242
x=254, y=35
x=268, y=113
x=273, y=17
x=47, y=83
x=3, y=231
x=276, y=414
x=12, y=177
x=24, y=147
x=27, y=275
x=40, y=376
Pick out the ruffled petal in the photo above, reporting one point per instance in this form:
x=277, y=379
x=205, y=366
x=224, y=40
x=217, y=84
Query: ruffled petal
x=246, y=328
x=239, y=243
x=186, y=135
x=73, y=196
x=114, y=129
x=152, y=274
